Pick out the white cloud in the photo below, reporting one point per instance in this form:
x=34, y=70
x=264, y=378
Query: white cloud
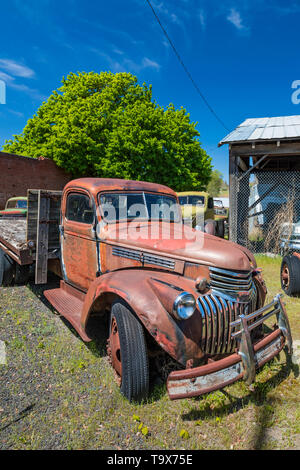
x=235, y=18
x=150, y=63
x=15, y=69
x=32, y=92
x=118, y=51
x=174, y=19
x=5, y=77
x=10, y=70
x=126, y=64
x=16, y=113
x=202, y=19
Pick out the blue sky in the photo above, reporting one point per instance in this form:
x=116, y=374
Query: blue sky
x=243, y=55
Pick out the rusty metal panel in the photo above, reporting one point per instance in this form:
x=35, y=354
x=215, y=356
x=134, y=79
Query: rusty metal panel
x=80, y=259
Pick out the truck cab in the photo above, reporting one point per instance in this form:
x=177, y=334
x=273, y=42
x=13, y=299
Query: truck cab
x=185, y=302
x=198, y=210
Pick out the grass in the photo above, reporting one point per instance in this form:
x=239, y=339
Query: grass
x=58, y=392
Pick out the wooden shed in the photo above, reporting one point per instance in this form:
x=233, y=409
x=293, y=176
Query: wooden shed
x=264, y=175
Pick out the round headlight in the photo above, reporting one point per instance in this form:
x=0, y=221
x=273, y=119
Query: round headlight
x=184, y=306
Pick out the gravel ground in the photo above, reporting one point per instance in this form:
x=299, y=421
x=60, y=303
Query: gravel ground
x=26, y=384
x=30, y=395
x=57, y=392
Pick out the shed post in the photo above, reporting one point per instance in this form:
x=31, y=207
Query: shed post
x=233, y=191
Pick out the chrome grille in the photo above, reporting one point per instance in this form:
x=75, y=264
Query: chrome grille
x=217, y=312
x=144, y=258
x=231, y=282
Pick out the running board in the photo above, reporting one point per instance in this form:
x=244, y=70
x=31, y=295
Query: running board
x=68, y=301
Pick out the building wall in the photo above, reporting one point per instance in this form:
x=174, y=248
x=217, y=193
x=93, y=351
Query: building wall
x=18, y=173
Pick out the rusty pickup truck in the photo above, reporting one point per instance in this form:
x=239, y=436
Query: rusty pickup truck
x=182, y=301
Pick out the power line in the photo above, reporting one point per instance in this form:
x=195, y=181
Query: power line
x=185, y=68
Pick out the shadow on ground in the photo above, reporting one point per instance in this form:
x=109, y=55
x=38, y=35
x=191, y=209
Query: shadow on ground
x=258, y=397
x=97, y=326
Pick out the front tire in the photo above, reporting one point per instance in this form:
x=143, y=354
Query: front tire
x=290, y=275
x=128, y=353
x=220, y=231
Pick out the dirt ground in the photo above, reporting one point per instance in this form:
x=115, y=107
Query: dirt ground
x=57, y=392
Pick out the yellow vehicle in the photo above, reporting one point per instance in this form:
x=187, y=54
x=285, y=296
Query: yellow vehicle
x=198, y=210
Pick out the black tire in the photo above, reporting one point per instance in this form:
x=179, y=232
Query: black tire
x=21, y=274
x=290, y=275
x=133, y=351
x=220, y=232
x=7, y=266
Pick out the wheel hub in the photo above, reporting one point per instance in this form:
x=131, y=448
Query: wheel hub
x=285, y=276
x=114, y=350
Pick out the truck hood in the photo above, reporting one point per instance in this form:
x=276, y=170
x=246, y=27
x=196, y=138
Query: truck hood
x=183, y=243
x=189, y=210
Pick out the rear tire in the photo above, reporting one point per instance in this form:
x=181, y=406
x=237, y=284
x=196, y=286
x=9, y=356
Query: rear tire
x=21, y=274
x=128, y=353
x=7, y=266
x=290, y=275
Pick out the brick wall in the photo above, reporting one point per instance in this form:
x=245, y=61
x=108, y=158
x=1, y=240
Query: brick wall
x=17, y=174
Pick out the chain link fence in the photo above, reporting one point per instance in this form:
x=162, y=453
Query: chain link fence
x=267, y=215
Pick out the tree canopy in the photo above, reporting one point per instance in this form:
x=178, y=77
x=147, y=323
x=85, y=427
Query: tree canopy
x=216, y=183
x=107, y=125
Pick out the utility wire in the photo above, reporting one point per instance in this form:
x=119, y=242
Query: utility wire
x=185, y=68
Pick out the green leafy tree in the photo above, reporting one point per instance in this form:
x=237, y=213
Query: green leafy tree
x=216, y=183
x=107, y=125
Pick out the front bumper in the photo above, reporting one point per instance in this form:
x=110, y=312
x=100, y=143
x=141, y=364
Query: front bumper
x=240, y=365
x=290, y=244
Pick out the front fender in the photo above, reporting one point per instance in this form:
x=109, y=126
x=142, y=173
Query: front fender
x=151, y=295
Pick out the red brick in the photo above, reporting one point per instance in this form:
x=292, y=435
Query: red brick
x=18, y=173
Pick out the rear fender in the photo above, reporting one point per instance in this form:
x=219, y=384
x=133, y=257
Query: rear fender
x=151, y=295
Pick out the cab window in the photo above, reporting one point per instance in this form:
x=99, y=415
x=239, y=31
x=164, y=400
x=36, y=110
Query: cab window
x=80, y=208
x=183, y=200
x=11, y=204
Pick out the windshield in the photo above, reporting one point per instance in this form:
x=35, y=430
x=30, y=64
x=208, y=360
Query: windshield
x=218, y=203
x=122, y=206
x=192, y=200
x=197, y=200
x=22, y=204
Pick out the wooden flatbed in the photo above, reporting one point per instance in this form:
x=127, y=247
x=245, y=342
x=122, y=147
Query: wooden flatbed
x=13, y=240
x=36, y=238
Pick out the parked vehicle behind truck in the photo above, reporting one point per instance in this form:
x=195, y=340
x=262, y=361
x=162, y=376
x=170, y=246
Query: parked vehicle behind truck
x=221, y=217
x=198, y=210
x=185, y=301
x=15, y=207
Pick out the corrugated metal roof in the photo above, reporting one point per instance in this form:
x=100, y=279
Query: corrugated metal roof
x=274, y=128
